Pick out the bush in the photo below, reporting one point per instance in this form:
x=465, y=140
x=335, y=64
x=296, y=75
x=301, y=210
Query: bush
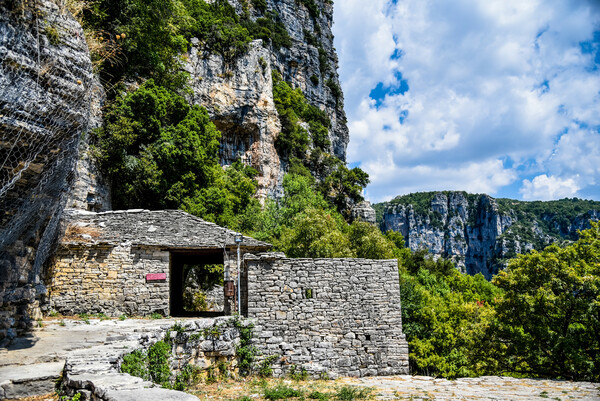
x=281, y=392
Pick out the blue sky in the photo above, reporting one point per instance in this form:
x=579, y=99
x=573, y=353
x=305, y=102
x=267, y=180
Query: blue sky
x=488, y=96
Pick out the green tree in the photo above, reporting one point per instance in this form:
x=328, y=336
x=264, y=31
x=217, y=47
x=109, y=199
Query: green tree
x=159, y=153
x=368, y=242
x=446, y=317
x=549, y=318
x=315, y=233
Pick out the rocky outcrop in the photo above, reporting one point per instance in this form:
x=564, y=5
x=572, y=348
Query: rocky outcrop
x=364, y=212
x=239, y=98
x=46, y=92
x=480, y=233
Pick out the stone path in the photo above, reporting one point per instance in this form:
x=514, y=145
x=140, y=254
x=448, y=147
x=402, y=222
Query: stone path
x=31, y=365
x=477, y=389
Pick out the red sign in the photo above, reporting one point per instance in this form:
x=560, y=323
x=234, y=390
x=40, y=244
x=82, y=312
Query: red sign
x=156, y=277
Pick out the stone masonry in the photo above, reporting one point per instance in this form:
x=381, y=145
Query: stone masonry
x=333, y=317
x=110, y=280
x=104, y=259
x=328, y=316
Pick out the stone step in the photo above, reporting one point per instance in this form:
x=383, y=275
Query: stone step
x=19, y=381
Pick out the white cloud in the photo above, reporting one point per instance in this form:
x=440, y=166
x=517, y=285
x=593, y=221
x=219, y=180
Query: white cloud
x=488, y=81
x=390, y=180
x=543, y=187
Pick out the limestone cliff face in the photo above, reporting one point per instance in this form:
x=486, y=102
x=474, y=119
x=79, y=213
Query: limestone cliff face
x=239, y=97
x=46, y=92
x=479, y=233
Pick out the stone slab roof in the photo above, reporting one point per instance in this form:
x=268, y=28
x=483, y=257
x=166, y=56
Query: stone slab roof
x=164, y=228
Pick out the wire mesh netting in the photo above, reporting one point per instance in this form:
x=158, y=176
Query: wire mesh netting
x=46, y=89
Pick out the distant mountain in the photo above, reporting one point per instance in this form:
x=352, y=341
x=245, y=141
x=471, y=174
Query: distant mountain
x=480, y=233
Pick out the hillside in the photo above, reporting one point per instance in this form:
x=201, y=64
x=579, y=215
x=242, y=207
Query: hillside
x=480, y=233
x=197, y=105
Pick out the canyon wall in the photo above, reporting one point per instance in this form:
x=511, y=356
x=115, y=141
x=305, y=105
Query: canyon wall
x=480, y=233
x=47, y=93
x=239, y=94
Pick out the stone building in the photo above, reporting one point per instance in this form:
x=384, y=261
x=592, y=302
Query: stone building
x=327, y=316
x=132, y=261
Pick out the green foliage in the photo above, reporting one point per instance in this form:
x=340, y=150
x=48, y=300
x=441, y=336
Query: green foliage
x=154, y=37
x=311, y=39
x=218, y=28
x=303, y=224
x=341, y=186
x=298, y=374
x=548, y=319
x=158, y=363
x=161, y=153
x=152, y=144
x=260, y=5
x=555, y=219
x=245, y=351
x=324, y=66
x=314, y=79
x=187, y=377
x=336, y=91
x=150, y=37
x=52, y=35
x=312, y=7
x=270, y=29
x=445, y=317
x=156, y=315
x=154, y=365
x=76, y=397
x=136, y=364
x=315, y=233
x=85, y=318
x=317, y=395
x=280, y=392
x=420, y=201
x=368, y=242
x=350, y=393
x=265, y=368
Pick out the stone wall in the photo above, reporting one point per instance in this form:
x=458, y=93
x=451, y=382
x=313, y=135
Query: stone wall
x=328, y=316
x=111, y=280
x=208, y=344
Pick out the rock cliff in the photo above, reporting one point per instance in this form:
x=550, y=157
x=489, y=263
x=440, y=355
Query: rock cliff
x=480, y=233
x=239, y=96
x=47, y=90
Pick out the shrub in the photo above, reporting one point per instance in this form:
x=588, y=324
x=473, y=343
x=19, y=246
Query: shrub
x=281, y=392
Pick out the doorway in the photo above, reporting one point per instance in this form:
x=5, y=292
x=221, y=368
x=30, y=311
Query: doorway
x=196, y=285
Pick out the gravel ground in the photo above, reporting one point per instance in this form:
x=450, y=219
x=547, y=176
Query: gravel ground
x=482, y=389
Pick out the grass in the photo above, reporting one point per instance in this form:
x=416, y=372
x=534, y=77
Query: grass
x=281, y=392
x=350, y=393
x=85, y=318
x=267, y=389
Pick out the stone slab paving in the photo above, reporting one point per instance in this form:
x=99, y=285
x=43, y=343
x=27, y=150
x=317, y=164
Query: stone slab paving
x=488, y=388
x=30, y=365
